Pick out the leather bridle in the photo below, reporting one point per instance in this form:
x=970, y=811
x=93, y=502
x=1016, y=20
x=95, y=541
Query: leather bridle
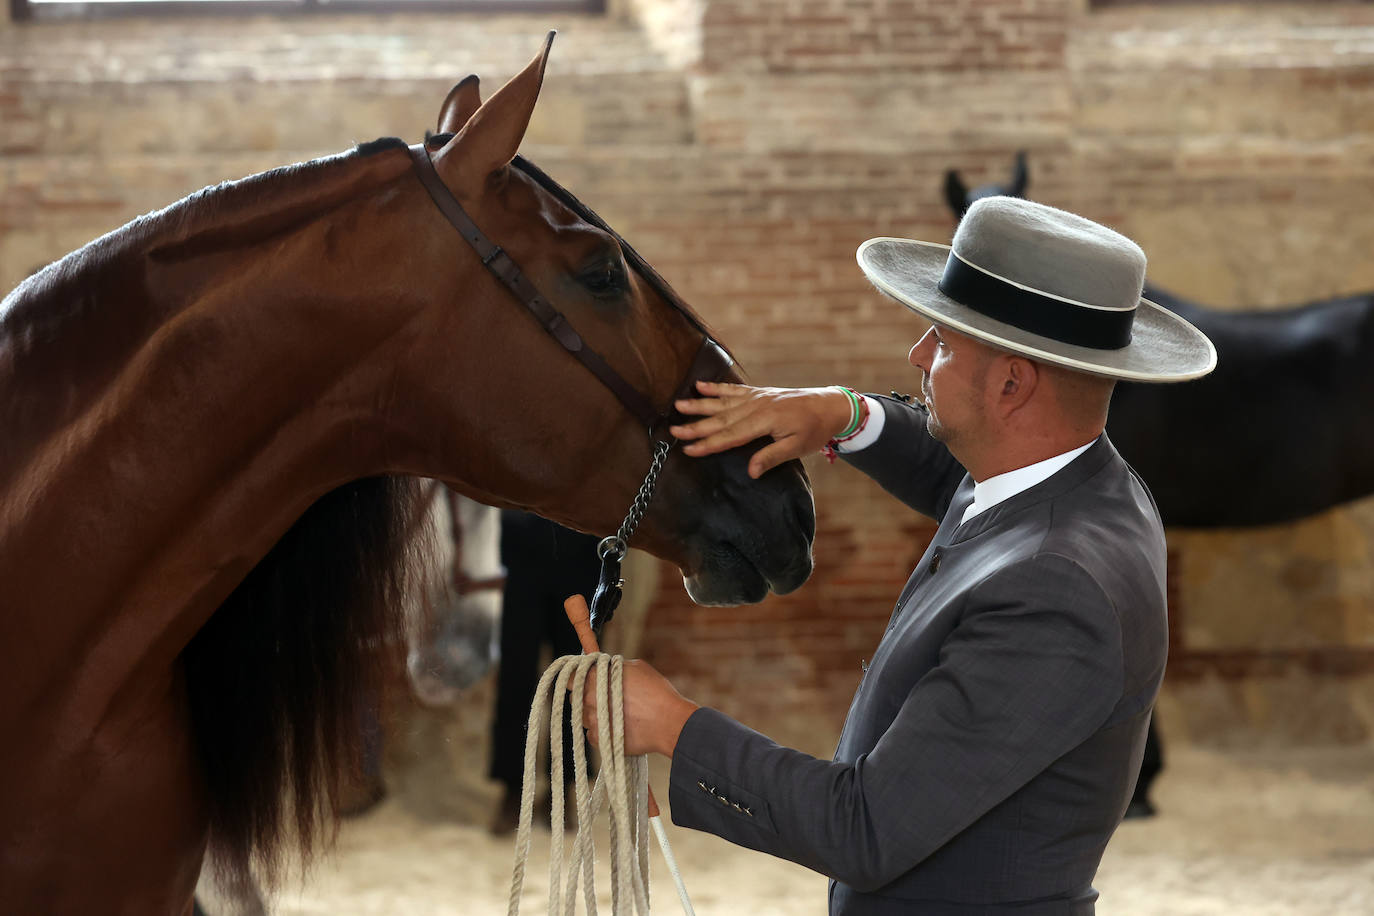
x=711, y=361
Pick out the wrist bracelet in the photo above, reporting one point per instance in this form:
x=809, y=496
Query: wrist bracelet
x=856, y=425
x=855, y=413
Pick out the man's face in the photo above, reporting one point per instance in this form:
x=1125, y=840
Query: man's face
x=954, y=375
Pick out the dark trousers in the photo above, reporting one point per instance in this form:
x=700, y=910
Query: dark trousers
x=545, y=563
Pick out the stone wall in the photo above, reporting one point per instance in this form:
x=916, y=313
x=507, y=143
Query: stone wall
x=746, y=147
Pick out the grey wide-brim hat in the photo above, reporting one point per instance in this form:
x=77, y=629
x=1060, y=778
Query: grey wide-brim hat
x=1044, y=283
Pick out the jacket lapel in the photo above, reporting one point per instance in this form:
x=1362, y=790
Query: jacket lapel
x=944, y=535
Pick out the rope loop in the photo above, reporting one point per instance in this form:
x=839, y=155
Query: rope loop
x=622, y=784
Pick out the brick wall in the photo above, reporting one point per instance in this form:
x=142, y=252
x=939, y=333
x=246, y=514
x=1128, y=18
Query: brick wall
x=746, y=148
x=886, y=36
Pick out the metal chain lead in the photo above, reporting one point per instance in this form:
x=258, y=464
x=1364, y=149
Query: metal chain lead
x=618, y=543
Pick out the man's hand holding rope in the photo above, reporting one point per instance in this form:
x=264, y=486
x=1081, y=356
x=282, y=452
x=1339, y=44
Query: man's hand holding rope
x=654, y=711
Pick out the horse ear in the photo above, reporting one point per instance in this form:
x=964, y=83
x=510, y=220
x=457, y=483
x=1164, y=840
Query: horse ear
x=956, y=195
x=490, y=138
x=463, y=101
x=1020, y=176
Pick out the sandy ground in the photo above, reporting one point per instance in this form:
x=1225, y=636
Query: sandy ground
x=1252, y=832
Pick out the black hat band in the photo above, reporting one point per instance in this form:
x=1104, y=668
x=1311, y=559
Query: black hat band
x=1067, y=322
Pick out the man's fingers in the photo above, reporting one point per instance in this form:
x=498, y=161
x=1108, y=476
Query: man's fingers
x=589, y=720
x=772, y=455
x=725, y=438
x=721, y=389
x=700, y=429
x=700, y=407
x=697, y=429
x=736, y=426
x=590, y=724
x=718, y=396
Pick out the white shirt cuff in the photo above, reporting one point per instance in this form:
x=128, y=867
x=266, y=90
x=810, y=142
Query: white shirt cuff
x=869, y=434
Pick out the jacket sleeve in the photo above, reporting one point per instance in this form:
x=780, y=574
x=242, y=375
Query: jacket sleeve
x=1032, y=670
x=907, y=462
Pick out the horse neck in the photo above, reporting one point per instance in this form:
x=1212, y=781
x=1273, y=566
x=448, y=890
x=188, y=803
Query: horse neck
x=184, y=389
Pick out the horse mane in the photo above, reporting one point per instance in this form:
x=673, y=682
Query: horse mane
x=296, y=192
x=59, y=293
x=284, y=675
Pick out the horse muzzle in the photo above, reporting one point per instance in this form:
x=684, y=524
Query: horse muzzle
x=755, y=536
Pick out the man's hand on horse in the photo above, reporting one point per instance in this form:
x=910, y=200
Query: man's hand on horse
x=799, y=421
x=654, y=711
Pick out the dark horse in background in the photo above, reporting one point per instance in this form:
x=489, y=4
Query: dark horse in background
x=212, y=421
x=1279, y=431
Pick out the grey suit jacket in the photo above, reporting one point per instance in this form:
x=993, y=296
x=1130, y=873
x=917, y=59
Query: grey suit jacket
x=993, y=743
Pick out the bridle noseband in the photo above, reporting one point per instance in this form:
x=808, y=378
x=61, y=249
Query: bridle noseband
x=711, y=361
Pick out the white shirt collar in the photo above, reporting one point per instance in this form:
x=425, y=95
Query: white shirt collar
x=1004, y=486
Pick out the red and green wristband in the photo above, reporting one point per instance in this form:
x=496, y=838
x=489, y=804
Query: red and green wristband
x=857, y=421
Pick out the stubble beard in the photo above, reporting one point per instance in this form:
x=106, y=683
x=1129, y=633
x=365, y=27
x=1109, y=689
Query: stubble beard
x=934, y=427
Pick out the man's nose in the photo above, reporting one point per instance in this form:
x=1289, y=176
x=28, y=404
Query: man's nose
x=921, y=351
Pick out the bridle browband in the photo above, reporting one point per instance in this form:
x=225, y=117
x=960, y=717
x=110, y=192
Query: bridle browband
x=711, y=361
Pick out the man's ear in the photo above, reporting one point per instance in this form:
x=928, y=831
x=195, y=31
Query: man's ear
x=491, y=135
x=462, y=103
x=1019, y=378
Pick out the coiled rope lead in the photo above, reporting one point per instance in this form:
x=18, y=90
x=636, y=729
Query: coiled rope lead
x=622, y=783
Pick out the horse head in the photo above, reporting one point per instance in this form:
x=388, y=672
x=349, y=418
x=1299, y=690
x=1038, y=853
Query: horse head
x=560, y=440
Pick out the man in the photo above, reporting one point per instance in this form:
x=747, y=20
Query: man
x=992, y=744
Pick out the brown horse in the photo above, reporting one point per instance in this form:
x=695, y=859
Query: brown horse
x=210, y=419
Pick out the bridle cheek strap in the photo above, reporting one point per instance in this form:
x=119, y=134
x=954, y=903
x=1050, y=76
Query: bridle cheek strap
x=711, y=363
x=501, y=266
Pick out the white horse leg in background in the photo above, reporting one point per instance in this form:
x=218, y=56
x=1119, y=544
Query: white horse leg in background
x=455, y=629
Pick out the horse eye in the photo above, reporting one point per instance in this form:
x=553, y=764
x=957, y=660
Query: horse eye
x=606, y=280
